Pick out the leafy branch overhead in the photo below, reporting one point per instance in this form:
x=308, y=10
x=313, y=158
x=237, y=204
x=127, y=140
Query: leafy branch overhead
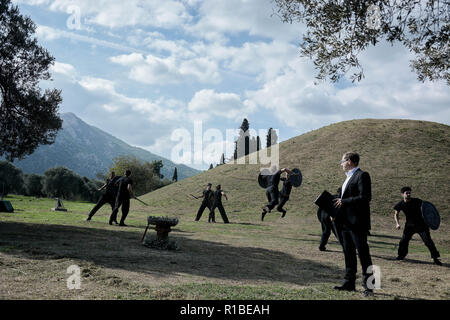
x=337, y=31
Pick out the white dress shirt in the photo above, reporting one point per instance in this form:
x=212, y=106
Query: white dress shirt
x=349, y=176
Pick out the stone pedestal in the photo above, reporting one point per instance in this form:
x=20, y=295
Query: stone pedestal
x=163, y=228
x=162, y=232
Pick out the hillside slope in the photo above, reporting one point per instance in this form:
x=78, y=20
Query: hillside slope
x=88, y=150
x=395, y=153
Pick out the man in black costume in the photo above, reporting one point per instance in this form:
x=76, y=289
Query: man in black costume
x=207, y=201
x=328, y=226
x=124, y=194
x=217, y=203
x=108, y=197
x=415, y=223
x=272, y=191
x=284, y=195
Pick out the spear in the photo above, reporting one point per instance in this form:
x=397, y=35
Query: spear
x=141, y=201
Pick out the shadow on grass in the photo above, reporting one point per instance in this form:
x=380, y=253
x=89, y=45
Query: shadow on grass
x=247, y=224
x=385, y=236
x=121, y=249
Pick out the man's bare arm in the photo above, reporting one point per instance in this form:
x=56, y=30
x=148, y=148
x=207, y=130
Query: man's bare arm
x=397, y=224
x=130, y=190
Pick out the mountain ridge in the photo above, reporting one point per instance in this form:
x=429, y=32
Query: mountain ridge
x=88, y=150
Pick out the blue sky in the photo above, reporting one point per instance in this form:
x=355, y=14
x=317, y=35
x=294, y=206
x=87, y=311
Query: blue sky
x=142, y=69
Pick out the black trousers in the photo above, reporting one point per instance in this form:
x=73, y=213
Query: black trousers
x=327, y=228
x=424, y=233
x=212, y=216
x=283, y=200
x=125, y=203
x=202, y=208
x=272, y=195
x=351, y=241
x=101, y=202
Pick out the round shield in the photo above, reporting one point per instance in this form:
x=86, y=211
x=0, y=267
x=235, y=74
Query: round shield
x=430, y=215
x=262, y=180
x=296, y=178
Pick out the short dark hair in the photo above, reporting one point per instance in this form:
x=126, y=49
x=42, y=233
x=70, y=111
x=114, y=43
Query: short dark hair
x=209, y=184
x=218, y=186
x=353, y=156
x=128, y=172
x=404, y=189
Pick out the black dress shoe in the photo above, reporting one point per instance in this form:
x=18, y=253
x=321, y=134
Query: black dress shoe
x=284, y=213
x=111, y=221
x=322, y=249
x=368, y=293
x=437, y=262
x=345, y=287
x=399, y=258
x=122, y=224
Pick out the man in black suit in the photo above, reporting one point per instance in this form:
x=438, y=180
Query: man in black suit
x=353, y=222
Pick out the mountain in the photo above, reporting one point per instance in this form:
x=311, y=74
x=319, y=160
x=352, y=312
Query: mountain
x=88, y=150
x=396, y=153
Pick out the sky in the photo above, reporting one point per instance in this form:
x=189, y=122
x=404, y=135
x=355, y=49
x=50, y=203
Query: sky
x=149, y=72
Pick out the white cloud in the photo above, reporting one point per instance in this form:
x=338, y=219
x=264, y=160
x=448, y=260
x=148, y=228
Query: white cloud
x=160, y=71
x=110, y=108
x=49, y=34
x=64, y=69
x=150, y=110
x=97, y=84
x=390, y=90
x=254, y=17
x=207, y=103
x=165, y=14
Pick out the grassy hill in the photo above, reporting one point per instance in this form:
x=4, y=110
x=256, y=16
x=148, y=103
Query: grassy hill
x=246, y=259
x=395, y=153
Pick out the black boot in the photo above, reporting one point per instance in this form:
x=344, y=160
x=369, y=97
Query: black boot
x=263, y=214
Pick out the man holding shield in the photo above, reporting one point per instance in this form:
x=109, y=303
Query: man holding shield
x=415, y=223
x=272, y=191
x=284, y=195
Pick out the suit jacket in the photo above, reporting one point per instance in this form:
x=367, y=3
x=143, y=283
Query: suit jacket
x=355, y=210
